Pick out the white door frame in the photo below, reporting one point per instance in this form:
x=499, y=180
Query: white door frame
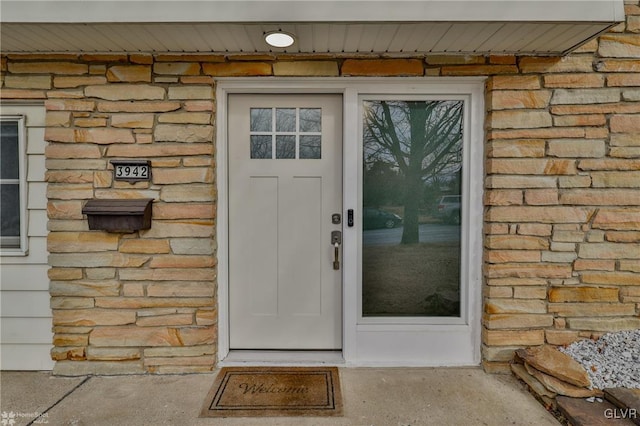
x=359, y=337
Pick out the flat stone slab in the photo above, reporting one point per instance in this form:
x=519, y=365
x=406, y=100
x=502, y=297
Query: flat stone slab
x=580, y=412
x=551, y=361
x=534, y=384
x=560, y=387
x=625, y=398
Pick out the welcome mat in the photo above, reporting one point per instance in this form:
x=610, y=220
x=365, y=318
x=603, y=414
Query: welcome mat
x=274, y=392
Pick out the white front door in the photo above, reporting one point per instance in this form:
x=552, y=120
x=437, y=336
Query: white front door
x=285, y=186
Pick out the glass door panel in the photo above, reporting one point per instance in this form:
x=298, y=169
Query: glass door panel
x=411, y=212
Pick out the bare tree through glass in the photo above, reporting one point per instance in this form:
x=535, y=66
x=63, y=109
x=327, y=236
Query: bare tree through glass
x=419, y=141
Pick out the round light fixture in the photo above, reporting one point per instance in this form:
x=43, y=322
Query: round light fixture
x=279, y=39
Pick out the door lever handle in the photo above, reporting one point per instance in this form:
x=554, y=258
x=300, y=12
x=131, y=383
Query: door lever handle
x=336, y=240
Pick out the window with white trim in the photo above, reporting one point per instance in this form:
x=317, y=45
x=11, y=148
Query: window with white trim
x=12, y=184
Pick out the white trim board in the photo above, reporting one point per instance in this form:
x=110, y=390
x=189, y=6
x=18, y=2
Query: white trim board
x=164, y=11
x=375, y=343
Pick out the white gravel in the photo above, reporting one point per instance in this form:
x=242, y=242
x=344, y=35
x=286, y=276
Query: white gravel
x=612, y=361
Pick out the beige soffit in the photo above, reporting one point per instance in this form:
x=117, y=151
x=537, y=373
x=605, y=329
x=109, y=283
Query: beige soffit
x=400, y=27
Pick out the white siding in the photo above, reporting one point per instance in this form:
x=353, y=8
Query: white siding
x=25, y=315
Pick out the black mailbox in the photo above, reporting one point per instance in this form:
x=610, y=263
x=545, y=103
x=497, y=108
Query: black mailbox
x=119, y=215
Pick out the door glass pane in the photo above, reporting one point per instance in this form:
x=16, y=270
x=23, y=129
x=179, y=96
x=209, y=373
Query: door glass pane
x=411, y=208
x=261, y=146
x=9, y=150
x=310, y=120
x=285, y=120
x=285, y=146
x=310, y=147
x=260, y=119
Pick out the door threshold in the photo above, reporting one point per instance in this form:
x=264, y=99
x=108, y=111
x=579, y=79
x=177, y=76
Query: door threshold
x=240, y=358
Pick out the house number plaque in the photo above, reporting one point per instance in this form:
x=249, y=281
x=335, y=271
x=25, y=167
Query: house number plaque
x=131, y=170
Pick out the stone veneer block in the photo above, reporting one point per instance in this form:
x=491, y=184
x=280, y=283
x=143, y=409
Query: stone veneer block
x=625, y=123
x=306, y=68
x=27, y=82
x=554, y=214
x=138, y=107
x=191, y=92
x=79, y=151
x=585, y=96
x=583, y=294
x=616, y=80
x=529, y=270
x=516, y=148
x=47, y=68
x=185, y=118
x=91, y=317
x=479, y=70
x=144, y=121
x=69, y=105
x=118, y=92
x=613, y=278
x=513, y=337
x=595, y=309
x=514, y=82
x=619, y=46
x=241, y=69
x=518, y=321
x=604, y=324
x=183, y=133
x=58, y=242
x=158, y=150
x=576, y=148
x=177, y=68
x=552, y=65
x=382, y=67
x=567, y=81
x=609, y=251
x=183, y=211
x=625, y=139
x=625, y=219
x=513, y=99
x=513, y=119
x=129, y=73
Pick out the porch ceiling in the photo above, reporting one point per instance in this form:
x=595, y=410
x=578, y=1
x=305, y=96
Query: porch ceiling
x=338, y=26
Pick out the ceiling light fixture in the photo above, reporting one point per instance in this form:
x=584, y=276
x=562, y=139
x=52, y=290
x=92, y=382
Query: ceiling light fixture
x=279, y=39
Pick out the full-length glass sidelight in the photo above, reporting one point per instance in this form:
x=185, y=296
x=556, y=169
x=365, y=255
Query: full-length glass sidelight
x=411, y=215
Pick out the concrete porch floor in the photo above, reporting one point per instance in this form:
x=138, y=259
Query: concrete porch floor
x=372, y=396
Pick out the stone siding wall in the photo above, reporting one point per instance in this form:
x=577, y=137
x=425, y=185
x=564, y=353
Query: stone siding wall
x=562, y=197
x=562, y=194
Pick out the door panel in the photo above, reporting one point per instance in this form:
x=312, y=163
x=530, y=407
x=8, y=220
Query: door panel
x=412, y=181
x=285, y=182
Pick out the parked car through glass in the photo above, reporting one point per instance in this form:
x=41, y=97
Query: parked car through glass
x=448, y=209
x=376, y=218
